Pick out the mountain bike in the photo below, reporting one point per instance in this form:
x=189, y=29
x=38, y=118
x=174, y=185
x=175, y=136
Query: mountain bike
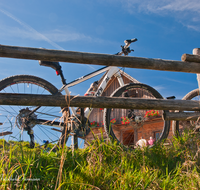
x=192, y=122
x=178, y=127
x=43, y=125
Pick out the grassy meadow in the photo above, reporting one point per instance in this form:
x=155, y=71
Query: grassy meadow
x=102, y=165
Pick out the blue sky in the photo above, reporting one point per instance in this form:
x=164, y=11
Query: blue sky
x=165, y=29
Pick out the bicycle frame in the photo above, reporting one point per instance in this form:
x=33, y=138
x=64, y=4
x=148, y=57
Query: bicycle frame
x=112, y=71
x=28, y=117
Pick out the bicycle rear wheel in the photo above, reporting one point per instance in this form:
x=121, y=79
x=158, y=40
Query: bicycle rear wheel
x=128, y=126
x=44, y=126
x=178, y=127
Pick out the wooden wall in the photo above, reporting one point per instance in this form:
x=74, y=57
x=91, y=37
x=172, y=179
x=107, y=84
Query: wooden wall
x=150, y=128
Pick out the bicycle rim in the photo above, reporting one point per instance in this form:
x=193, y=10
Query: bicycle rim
x=129, y=126
x=178, y=127
x=12, y=118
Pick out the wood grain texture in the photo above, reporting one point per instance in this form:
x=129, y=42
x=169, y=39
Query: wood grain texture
x=181, y=116
x=98, y=102
x=97, y=59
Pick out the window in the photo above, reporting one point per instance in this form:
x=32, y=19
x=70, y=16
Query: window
x=157, y=135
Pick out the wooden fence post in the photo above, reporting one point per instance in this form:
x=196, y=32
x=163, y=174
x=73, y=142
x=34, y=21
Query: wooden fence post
x=74, y=144
x=196, y=51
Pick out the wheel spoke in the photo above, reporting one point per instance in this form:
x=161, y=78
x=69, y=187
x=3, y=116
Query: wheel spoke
x=18, y=119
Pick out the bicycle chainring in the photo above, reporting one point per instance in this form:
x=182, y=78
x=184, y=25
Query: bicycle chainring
x=80, y=129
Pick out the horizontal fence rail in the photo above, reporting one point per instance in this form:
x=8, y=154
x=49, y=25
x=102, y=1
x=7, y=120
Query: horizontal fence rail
x=97, y=102
x=181, y=116
x=190, y=64
x=97, y=59
x=190, y=58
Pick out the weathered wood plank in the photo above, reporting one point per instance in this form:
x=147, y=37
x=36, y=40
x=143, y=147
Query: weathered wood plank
x=98, y=102
x=181, y=116
x=190, y=58
x=97, y=59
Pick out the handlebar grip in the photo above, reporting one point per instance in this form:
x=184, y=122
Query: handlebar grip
x=130, y=41
x=134, y=40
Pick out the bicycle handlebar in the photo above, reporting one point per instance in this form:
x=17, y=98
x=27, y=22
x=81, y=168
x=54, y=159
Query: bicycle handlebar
x=125, y=49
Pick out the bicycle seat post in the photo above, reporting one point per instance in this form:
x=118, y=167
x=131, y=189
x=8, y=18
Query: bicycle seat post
x=62, y=77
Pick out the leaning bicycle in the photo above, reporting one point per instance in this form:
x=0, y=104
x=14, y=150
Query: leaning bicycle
x=42, y=125
x=192, y=121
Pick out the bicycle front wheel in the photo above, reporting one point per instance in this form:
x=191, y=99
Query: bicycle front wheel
x=45, y=125
x=178, y=127
x=136, y=127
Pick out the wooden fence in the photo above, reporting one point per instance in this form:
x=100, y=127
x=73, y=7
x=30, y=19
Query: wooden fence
x=100, y=59
x=187, y=65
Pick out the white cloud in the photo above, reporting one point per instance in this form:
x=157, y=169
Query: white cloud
x=29, y=30
x=181, y=5
x=64, y=36
x=159, y=87
x=184, y=11
x=193, y=27
x=9, y=31
x=177, y=81
x=53, y=37
x=50, y=36
x=166, y=5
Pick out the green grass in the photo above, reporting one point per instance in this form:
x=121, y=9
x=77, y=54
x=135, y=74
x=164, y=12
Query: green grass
x=102, y=165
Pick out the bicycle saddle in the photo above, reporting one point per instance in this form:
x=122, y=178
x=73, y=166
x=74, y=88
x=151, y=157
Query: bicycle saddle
x=54, y=65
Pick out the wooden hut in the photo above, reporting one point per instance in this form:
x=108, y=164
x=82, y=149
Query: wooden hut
x=151, y=128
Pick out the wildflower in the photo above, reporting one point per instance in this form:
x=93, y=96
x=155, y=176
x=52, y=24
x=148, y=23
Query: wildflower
x=152, y=113
x=113, y=121
x=125, y=120
x=94, y=124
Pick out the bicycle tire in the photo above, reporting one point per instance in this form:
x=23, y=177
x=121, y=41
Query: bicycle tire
x=11, y=116
x=194, y=94
x=112, y=130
